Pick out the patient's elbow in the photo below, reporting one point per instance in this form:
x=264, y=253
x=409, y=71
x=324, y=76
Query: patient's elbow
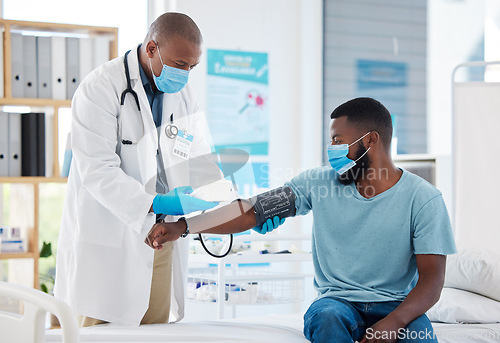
x=436, y=294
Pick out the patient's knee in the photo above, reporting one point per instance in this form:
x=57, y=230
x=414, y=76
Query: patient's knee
x=334, y=316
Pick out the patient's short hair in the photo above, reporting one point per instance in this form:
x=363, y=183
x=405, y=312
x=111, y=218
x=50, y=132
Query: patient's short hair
x=369, y=115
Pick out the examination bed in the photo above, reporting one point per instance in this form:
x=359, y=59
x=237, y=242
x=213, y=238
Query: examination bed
x=270, y=328
x=471, y=295
x=266, y=328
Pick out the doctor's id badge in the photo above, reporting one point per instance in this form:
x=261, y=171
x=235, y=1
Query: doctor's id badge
x=183, y=143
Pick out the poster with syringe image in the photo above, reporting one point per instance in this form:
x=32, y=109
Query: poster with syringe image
x=238, y=100
x=237, y=111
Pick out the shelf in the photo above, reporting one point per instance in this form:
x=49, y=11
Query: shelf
x=414, y=157
x=264, y=258
x=255, y=237
x=5, y=256
x=34, y=102
x=275, y=301
x=54, y=107
x=57, y=27
x=249, y=277
x=33, y=179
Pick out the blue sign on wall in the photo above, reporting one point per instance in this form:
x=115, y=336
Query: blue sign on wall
x=387, y=82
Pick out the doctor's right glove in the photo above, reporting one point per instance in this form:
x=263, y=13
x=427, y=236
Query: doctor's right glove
x=269, y=225
x=178, y=202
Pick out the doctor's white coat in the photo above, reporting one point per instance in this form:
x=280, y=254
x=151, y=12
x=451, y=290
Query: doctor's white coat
x=104, y=268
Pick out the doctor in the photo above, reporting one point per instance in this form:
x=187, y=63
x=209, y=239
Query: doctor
x=135, y=121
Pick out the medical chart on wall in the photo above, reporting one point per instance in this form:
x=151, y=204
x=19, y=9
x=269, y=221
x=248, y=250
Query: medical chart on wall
x=237, y=100
x=238, y=110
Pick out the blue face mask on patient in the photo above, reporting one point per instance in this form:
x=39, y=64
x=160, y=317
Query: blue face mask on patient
x=337, y=156
x=171, y=80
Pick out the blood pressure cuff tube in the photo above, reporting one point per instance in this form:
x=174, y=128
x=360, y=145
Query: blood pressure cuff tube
x=276, y=202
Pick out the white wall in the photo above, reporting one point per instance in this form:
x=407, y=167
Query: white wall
x=455, y=28
x=130, y=16
x=492, y=39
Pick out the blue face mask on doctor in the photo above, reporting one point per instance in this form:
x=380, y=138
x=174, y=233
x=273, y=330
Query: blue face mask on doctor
x=337, y=156
x=171, y=80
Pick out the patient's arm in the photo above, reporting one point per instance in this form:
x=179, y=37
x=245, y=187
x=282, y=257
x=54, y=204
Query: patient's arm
x=236, y=217
x=431, y=270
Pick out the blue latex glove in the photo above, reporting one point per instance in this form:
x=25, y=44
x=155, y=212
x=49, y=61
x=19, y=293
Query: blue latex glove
x=269, y=225
x=178, y=202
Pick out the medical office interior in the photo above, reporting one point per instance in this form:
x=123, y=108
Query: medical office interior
x=270, y=74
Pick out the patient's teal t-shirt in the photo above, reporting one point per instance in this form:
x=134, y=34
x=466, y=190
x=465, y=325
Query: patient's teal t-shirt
x=364, y=249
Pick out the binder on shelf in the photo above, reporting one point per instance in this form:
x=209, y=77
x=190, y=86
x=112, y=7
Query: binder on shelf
x=40, y=125
x=29, y=143
x=58, y=68
x=2, y=91
x=49, y=142
x=44, y=67
x=4, y=144
x=30, y=83
x=72, y=66
x=17, y=80
x=101, y=50
x=15, y=148
x=86, y=57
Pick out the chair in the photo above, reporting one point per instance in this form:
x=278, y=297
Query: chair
x=30, y=327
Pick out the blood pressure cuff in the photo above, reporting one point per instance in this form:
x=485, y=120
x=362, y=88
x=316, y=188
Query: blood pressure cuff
x=276, y=202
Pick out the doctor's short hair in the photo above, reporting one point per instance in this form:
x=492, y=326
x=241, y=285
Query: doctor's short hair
x=369, y=115
x=173, y=24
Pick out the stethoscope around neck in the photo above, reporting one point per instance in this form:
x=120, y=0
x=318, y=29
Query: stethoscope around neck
x=171, y=131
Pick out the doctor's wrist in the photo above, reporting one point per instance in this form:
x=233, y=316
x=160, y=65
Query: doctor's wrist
x=184, y=226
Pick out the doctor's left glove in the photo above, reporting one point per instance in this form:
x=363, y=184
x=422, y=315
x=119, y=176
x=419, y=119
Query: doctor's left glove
x=178, y=202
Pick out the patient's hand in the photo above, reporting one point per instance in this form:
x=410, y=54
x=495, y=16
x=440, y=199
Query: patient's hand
x=165, y=232
x=386, y=330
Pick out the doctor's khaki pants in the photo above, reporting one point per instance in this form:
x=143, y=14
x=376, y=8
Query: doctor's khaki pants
x=161, y=285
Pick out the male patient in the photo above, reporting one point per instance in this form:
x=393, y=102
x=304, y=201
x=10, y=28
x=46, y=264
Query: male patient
x=379, y=239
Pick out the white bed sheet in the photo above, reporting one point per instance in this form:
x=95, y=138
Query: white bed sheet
x=270, y=328
x=467, y=333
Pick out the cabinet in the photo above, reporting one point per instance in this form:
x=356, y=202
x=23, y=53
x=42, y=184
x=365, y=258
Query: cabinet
x=232, y=279
x=436, y=169
x=43, y=105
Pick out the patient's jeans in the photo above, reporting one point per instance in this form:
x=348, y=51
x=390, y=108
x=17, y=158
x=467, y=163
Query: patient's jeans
x=339, y=321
